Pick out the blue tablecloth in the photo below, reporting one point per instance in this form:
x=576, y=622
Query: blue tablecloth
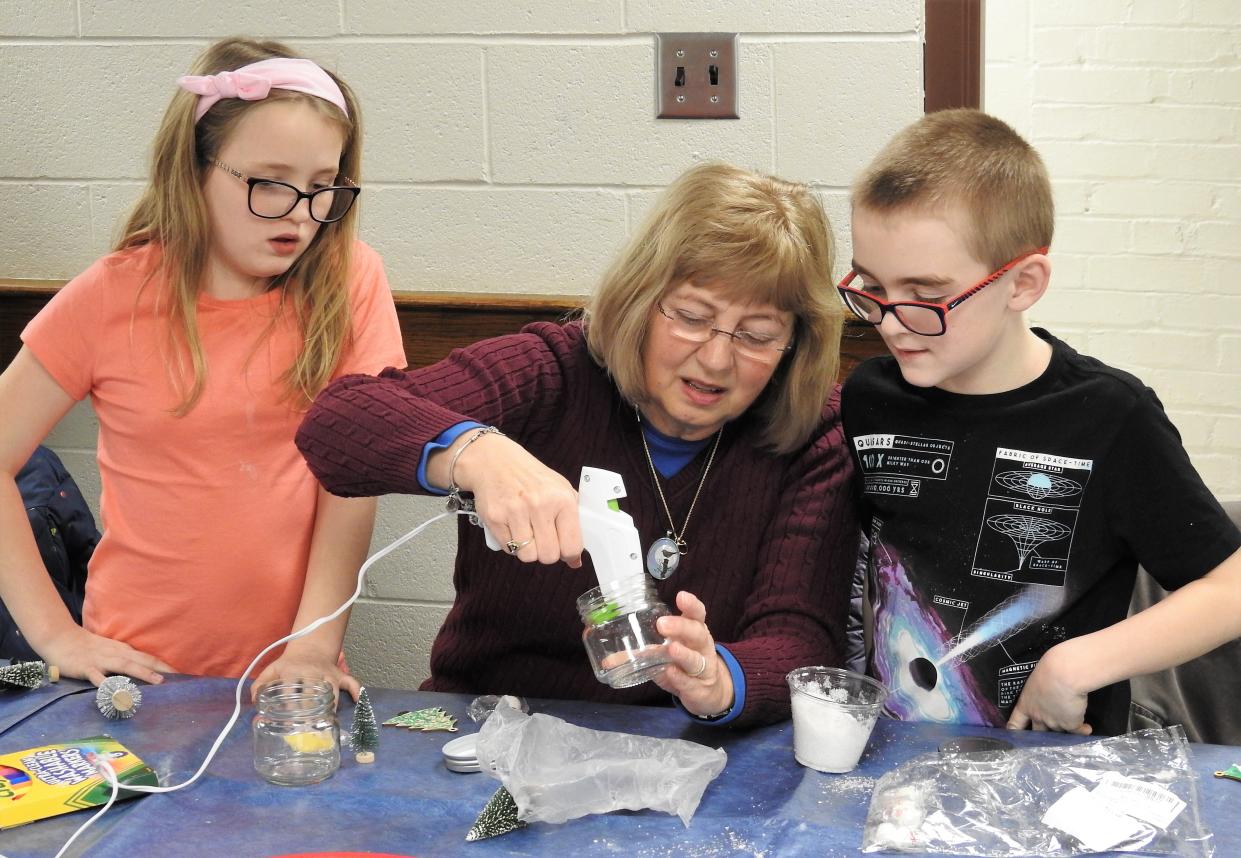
x=408, y=803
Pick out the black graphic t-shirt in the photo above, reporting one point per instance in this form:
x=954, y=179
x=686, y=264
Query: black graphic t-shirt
x=1003, y=524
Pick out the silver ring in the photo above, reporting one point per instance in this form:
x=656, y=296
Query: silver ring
x=702, y=669
x=513, y=546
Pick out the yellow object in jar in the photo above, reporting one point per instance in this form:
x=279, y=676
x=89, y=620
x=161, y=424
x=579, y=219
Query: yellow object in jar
x=311, y=742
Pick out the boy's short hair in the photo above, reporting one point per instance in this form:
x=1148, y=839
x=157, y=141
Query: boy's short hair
x=968, y=158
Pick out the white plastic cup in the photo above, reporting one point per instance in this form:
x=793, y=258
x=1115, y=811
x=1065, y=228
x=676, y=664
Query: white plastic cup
x=834, y=712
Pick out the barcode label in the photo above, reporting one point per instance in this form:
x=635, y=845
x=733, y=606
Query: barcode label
x=1084, y=816
x=1145, y=801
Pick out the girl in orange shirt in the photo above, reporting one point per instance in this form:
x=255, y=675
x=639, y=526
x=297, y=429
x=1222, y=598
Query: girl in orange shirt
x=237, y=291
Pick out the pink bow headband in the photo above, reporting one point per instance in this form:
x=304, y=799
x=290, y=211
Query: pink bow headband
x=255, y=81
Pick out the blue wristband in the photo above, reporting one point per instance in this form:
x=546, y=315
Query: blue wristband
x=734, y=670
x=444, y=440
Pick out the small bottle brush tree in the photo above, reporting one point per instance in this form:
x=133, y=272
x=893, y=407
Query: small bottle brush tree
x=27, y=674
x=364, y=735
x=118, y=697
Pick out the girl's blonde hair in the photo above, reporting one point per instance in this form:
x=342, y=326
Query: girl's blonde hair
x=763, y=240
x=173, y=214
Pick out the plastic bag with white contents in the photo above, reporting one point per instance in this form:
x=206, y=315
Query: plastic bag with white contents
x=558, y=771
x=1131, y=793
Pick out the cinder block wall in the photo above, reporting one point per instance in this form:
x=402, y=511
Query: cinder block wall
x=510, y=147
x=1136, y=107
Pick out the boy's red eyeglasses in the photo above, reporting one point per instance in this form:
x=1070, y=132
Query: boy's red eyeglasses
x=921, y=317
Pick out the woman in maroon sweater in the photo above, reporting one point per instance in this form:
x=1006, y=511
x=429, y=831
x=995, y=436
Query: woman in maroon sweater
x=743, y=430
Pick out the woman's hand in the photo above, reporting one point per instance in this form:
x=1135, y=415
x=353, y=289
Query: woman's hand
x=522, y=501
x=80, y=654
x=697, y=674
x=1051, y=700
x=307, y=663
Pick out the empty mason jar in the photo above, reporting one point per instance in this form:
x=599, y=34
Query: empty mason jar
x=618, y=630
x=296, y=734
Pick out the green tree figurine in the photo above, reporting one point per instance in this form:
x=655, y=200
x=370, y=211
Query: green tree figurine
x=27, y=674
x=364, y=735
x=498, y=817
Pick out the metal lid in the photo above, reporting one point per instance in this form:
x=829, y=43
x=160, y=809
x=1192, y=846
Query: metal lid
x=462, y=751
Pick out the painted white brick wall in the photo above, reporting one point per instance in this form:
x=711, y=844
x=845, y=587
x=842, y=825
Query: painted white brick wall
x=510, y=147
x=1136, y=108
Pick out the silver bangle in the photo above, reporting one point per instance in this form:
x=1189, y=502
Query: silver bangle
x=454, y=490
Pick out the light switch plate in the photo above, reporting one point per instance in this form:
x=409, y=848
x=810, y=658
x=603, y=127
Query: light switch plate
x=696, y=76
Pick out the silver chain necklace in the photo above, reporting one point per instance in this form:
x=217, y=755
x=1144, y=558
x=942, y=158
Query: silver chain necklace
x=666, y=552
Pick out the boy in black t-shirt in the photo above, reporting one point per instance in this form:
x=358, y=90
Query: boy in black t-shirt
x=1011, y=485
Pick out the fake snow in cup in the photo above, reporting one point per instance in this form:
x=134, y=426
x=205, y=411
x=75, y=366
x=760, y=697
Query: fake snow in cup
x=834, y=711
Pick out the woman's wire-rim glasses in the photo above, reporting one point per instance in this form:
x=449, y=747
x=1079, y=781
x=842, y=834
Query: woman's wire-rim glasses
x=274, y=195
x=696, y=329
x=915, y=319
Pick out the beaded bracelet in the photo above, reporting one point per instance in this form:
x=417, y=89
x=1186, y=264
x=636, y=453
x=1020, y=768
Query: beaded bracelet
x=454, y=490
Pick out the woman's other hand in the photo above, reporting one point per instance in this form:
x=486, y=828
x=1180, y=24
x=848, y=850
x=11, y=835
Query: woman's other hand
x=697, y=674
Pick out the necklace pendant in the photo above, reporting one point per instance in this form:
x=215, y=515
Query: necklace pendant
x=663, y=558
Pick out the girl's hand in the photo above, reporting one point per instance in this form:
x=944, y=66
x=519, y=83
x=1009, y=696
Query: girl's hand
x=307, y=663
x=83, y=655
x=697, y=674
x=523, y=502
x=1051, y=700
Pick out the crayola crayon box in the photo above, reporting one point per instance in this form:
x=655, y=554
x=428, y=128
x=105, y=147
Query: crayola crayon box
x=55, y=779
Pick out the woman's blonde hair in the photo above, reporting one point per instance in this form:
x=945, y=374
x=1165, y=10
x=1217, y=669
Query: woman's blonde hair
x=966, y=157
x=172, y=213
x=762, y=240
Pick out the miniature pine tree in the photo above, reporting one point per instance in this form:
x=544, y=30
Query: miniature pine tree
x=26, y=674
x=118, y=697
x=364, y=735
x=498, y=817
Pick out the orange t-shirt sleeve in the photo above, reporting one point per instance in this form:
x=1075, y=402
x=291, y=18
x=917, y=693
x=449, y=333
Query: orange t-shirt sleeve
x=376, y=342
x=59, y=340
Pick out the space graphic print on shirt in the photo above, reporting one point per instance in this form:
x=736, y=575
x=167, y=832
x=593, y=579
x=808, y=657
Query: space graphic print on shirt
x=1031, y=510
x=897, y=464
x=952, y=650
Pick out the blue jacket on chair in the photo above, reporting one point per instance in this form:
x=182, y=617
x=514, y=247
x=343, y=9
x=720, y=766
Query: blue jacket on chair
x=65, y=532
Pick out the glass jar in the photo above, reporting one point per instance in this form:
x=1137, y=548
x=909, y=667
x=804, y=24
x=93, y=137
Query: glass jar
x=618, y=630
x=296, y=734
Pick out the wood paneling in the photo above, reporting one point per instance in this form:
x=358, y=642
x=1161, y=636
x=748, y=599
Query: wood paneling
x=432, y=323
x=952, y=57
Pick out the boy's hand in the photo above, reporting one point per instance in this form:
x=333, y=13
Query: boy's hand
x=1051, y=700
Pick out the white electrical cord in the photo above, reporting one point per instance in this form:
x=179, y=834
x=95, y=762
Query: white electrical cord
x=106, y=770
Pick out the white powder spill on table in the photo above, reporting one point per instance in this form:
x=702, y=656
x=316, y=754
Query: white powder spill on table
x=855, y=785
x=726, y=842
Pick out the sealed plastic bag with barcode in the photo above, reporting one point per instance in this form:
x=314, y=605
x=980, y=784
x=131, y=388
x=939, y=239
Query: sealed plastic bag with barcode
x=1130, y=793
